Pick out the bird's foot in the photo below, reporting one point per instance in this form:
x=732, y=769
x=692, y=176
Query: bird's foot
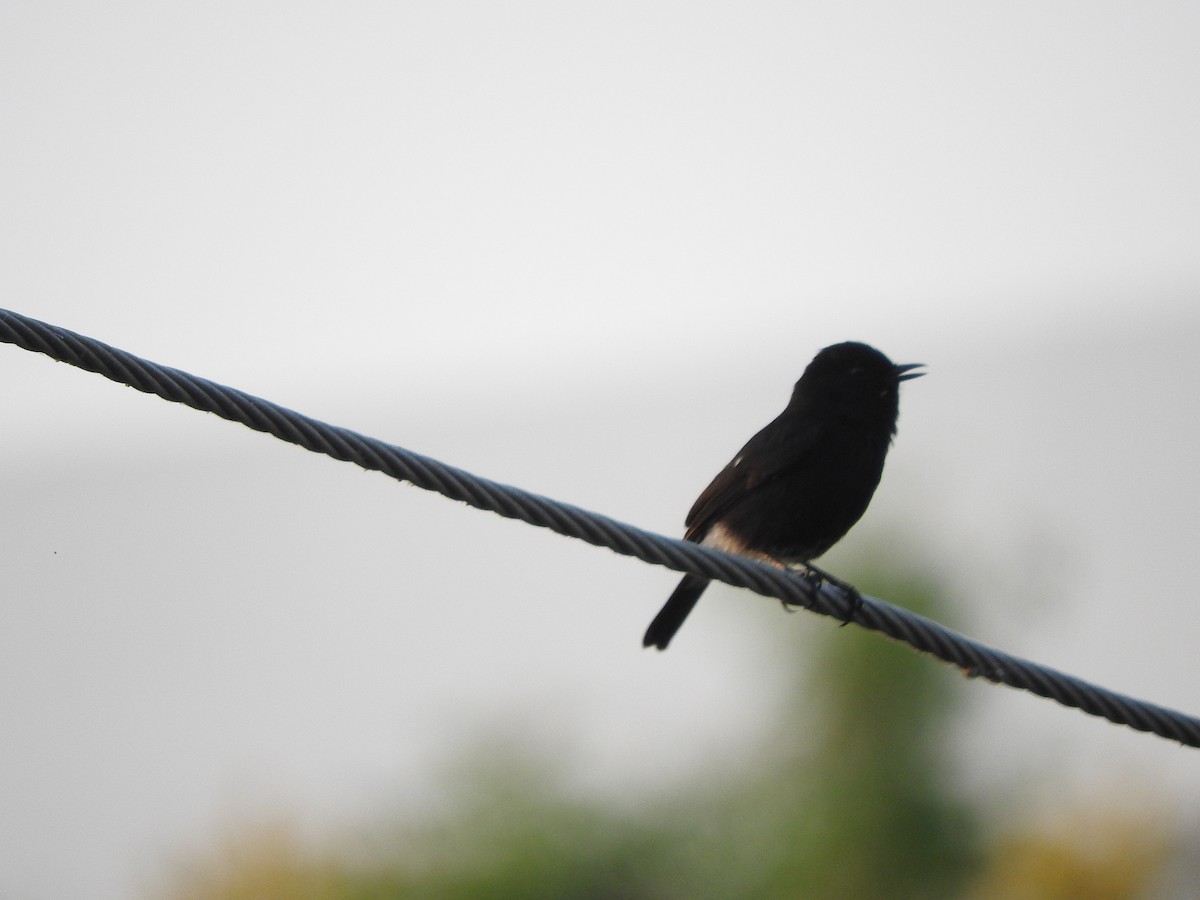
x=818, y=577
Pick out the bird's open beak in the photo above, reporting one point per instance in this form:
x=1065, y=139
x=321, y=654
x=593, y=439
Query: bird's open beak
x=905, y=372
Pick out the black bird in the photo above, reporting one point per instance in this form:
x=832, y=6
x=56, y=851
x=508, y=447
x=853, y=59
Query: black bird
x=802, y=482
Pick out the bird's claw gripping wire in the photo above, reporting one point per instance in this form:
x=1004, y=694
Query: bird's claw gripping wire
x=819, y=577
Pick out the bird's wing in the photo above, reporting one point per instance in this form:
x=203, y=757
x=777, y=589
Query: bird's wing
x=766, y=456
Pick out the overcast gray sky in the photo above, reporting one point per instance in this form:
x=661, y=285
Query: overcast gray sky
x=585, y=249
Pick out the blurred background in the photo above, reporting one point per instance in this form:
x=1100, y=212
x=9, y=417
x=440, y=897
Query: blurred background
x=587, y=249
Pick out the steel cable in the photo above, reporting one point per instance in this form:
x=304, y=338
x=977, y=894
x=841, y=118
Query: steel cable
x=974, y=658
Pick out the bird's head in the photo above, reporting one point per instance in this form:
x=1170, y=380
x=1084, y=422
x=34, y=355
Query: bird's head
x=855, y=381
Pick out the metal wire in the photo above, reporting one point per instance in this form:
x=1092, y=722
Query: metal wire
x=974, y=658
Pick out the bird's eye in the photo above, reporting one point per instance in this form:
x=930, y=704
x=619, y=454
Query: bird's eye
x=858, y=371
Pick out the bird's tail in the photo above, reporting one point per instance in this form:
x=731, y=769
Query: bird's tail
x=674, y=611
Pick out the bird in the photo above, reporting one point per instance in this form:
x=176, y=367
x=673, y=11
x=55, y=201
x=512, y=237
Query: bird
x=804, y=480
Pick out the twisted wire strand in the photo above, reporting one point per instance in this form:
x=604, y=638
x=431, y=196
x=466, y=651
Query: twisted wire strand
x=925, y=635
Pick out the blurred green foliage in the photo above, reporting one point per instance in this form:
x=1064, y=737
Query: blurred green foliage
x=849, y=796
